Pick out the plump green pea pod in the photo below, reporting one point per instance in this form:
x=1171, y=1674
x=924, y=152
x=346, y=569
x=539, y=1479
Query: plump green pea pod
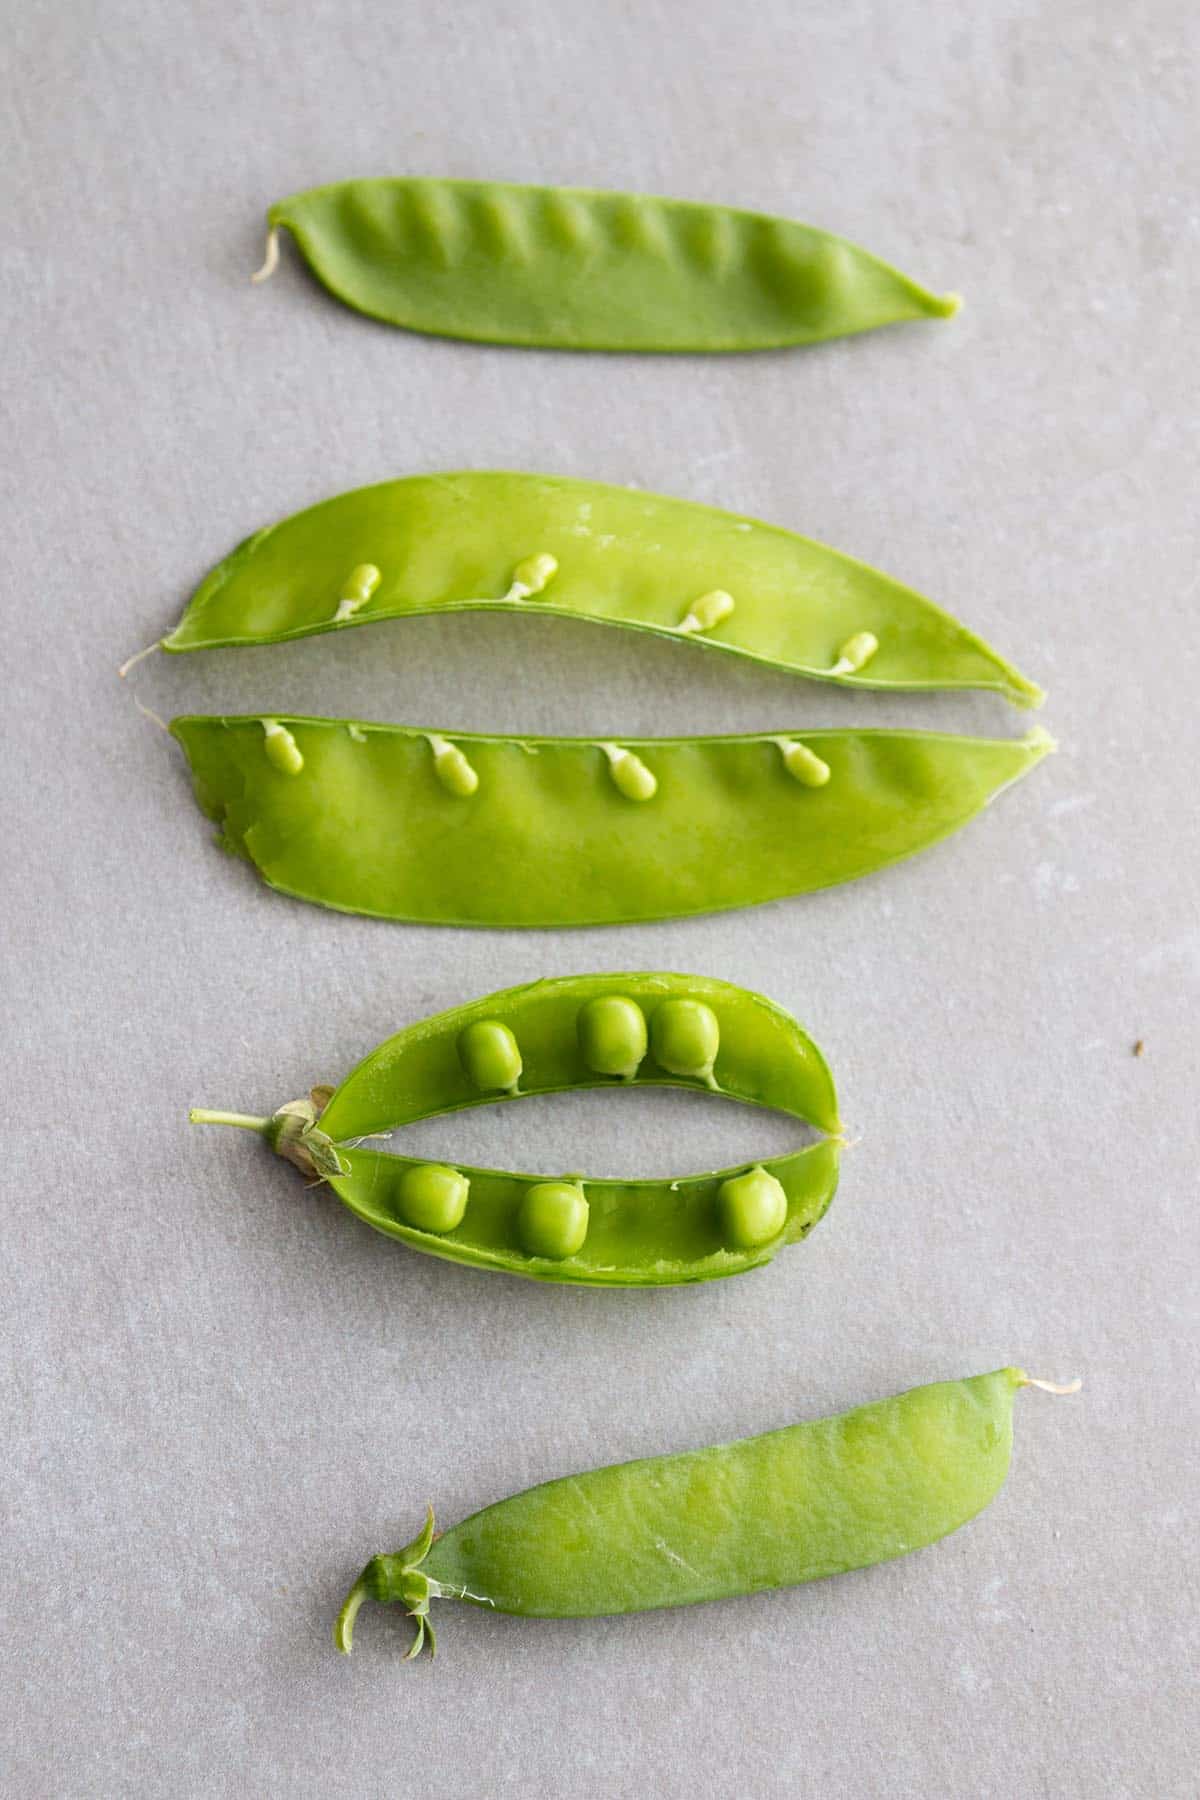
x=495, y=541
x=575, y=1032
x=550, y=836
x=768, y=1512
x=577, y=269
x=624, y=1233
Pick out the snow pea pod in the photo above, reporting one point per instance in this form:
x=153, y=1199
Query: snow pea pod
x=579, y=269
x=767, y=1512
x=575, y=1032
x=410, y=824
x=496, y=541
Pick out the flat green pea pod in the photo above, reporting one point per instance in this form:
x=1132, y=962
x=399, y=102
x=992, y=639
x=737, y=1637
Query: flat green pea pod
x=768, y=1512
x=572, y=831
x=494, y=541
x=579, y=1031
x=577, y=269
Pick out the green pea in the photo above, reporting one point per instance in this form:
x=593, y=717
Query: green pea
x=612, y=1035
x=630, y=776
x=534, y=573
x=708, y=611
x=432, y=1197
x=553, y=1220
x=283, y=752
x=583, y=1030
x=584, y=270
x=610, y=555
x=452, y=768
x=753, y=1208
x=728, y=825
x=802, y=765
x=773, y=1511
x=357, y=589
x=685, y=1038
x=490, y=1056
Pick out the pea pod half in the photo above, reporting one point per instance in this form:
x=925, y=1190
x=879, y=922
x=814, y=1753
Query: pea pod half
x=576, y=269
x=494, y=541
x=410, y=824
x=575, y=1032
x=768, y=1512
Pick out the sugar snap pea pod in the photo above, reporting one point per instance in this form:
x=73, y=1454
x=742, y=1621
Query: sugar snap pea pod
x=578, y=1031
x=575, y=1032
x=410, y=824
x=593, y=1233
x=767, y=1512
x=577, y=269
x=495, y=541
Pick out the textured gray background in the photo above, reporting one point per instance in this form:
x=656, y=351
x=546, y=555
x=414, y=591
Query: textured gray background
x=222, y=1392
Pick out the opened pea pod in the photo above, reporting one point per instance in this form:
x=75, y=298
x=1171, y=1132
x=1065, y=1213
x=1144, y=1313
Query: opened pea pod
x=408, y=824
x=581, y=269
x=496, y=541
x=571, y=1033
x=767, y=1512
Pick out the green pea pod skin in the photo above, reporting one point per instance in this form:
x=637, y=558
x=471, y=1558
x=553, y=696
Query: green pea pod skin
x=454, y=542
x=764, y=1057
x=640, y=1233
x=768, y=1512
x=577, y=269
x=548, y=837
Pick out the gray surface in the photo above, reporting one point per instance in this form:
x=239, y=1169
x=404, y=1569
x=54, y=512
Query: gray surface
x=222, y=1392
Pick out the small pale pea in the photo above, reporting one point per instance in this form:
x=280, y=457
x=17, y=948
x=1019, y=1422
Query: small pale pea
x=357, y=589
x=752, y=1209
x=283, y=752
x=629, y=773
x=803, y=764
x=532, y=575
x=612, y=1035
x=490, y=1056
x=452, y=768
x=685, y=1037
x=432, y=1197
x=553, y=1220
x=856, y=653
x=708, y=611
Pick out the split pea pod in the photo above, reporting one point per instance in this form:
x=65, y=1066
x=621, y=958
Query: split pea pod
x=581, y=269
x=416, y=825
x=767, y=1512
x=575, y=1032
x=496, y=541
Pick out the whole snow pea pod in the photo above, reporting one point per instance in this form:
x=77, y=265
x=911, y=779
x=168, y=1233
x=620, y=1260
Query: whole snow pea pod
x=569, y=1033
x=581, y=269
x=411, y=824
x=767, y=1512
x=495, y=541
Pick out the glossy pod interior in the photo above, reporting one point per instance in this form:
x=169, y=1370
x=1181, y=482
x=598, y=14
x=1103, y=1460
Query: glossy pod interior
x=573, y=268
x=546, y=1037
x=767, y=1512
x=408, y=824
x=625, y=1233
x=579, y=549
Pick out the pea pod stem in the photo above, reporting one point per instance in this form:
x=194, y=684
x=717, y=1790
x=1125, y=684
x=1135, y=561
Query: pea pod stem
x=200, y=1115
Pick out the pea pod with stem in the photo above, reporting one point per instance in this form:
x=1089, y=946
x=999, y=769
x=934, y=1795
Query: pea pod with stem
x=767, y=1512
x=466, y=829
x=502, y=542
x=571, y=1033
x=581, y=269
